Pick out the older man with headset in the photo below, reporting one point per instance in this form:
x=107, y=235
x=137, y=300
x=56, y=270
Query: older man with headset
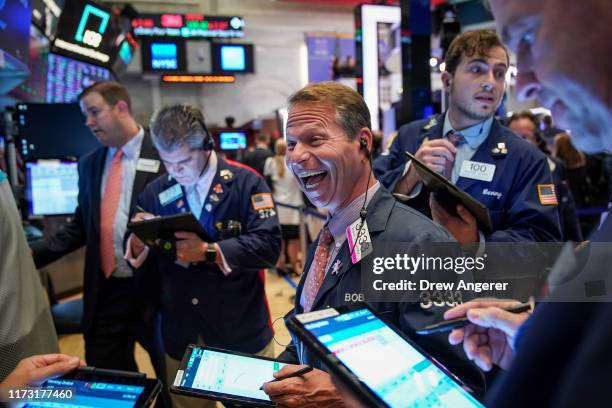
x=212, y=292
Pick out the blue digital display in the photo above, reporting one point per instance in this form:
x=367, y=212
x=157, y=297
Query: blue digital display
x=164, y=56
x=93, y=394
x=233, y=58
x=232, y=140
x=66, y=78
x=52, y=187
x=387, y=364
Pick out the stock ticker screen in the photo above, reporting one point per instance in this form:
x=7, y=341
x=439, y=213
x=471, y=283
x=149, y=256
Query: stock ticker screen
x=66, y=78
x=52, y=187
x=387, y=364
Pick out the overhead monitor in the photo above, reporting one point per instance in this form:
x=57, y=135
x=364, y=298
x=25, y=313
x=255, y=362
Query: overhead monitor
x=87, y=31
x=53, y=131
x=232, y=140
x=66, y=78
x=233, y=58
x=163, y=56
x=45, y=15
x=15, y=17
x=52, y=187
x=192, y=25
x=33, y=89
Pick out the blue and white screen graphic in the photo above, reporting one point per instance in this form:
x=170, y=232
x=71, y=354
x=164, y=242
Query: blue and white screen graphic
x=52, y=187
x=233, y=58
x=164, y=56
x=390, y=366
x=232, y=374
x=91, y=394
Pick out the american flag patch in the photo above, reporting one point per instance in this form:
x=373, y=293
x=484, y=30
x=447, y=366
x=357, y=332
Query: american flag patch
x=547, y=194
x=262, y=201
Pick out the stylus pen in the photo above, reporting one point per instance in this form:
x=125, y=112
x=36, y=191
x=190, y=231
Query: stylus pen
x=451, y=324
x=297, y=373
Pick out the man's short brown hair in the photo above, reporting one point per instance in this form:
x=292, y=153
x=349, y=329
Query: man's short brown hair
x=111, y=92
x=352, y=113
x=469, y=44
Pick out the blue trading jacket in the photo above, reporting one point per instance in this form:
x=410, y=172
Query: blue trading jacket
x=512, y=196
x=199, y=300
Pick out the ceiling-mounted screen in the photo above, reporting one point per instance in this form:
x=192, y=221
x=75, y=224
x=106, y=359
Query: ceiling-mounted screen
x=191, y=25
x=66, y=78
x=163, y=56
x=233, y=58
x=45, y=15
x=87, y=31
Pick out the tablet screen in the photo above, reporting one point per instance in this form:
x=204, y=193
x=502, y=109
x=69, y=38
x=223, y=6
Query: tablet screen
x=92, y=394
x=215, y=371
x=390, y=366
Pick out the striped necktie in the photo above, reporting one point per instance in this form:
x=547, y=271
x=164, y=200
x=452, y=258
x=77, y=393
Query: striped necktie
x=316, y=276
x=108, y=211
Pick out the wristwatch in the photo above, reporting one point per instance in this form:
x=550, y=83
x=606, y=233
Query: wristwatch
x=211, y=253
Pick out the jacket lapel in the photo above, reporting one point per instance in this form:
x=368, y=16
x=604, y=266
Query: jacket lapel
x=378, y=214
x=219, y=189
x=95, y=195
x=142, y=178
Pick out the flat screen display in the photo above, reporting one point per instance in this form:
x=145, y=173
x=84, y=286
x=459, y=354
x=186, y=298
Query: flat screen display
x=225, y=373
x=233, y=58
x=66, y=78
x=92, y=394
x=389, y=365
x=87, y=31
x=232, y=140
x=53, y=130
x=45, y=15
x=33, y=89
x=163, y=56
x=52, y=187
x=15, y=17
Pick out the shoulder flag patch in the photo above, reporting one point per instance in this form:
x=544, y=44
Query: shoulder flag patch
x=262, y=201
x=547, y=194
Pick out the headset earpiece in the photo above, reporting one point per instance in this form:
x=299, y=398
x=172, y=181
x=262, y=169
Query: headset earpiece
x=363, y=145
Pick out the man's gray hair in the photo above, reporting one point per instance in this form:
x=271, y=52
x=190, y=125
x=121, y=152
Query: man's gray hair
x=176, y=126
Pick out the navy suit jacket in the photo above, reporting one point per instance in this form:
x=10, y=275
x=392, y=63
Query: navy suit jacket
x=199, y=300
x=84, y=227
x=512, y=195
x=389, y=222
x=564, y=350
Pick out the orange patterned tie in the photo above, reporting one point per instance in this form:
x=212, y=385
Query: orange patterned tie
x=108, y=210
x=315, y=279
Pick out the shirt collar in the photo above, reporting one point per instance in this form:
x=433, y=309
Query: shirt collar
x=206, y=178
x=131, y=149
x=346, y=216
x=474, y=135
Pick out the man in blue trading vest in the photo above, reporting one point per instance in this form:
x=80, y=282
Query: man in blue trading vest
x=212, y=292
x=515, y=181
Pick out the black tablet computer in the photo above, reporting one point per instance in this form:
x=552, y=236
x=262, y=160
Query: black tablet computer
x=225, y=376
x=164, y=228
x=376, y=361
x=449, y=195
x=93, y=387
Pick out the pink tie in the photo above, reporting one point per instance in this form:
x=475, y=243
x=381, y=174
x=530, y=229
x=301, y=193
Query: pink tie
x=108, y=210
x=315, y=278
x=456, y=139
